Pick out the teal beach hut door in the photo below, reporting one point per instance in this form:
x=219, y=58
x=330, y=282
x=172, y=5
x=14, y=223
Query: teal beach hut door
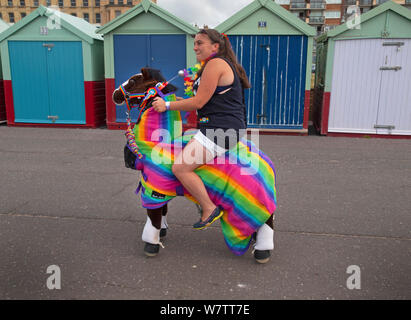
x=47, y=81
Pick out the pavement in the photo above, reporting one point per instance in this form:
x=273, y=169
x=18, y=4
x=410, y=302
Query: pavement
x=67, y=200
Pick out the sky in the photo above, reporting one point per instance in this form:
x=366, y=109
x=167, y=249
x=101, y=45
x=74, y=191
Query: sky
x=203, y=12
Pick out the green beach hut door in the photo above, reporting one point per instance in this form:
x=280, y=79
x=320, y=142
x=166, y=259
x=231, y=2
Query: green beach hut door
x=47, y=81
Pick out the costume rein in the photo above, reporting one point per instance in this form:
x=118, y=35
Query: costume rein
x=142, y=106
x=146, y=96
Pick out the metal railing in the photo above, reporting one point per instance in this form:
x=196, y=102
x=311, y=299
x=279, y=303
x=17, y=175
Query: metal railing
x=317, y=5
x=298, y=4
x=350, y=2
x=365, y=2
x=316, y=20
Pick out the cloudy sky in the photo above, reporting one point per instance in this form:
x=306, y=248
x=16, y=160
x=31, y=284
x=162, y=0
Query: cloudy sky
x=209, y=12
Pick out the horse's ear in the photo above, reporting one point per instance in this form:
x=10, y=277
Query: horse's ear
x=146, y=73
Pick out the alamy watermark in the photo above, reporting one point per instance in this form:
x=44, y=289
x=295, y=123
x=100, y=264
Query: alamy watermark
x=354, y=17
x=54, y=280
x=239, y=153
x=54, y=18
x=354, y=280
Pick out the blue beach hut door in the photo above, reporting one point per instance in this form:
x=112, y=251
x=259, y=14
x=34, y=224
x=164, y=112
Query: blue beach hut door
x=133, y=52
x=47, y=81
x=276, y=68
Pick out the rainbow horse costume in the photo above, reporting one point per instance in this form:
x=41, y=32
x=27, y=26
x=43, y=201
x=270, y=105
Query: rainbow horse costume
x=242, y=181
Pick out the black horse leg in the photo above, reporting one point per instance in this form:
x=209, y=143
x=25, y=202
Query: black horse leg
x=152, y=230
x=264, y=241
x=164, y=225
x=270, y=221
x=155, y=217
x=165, y=210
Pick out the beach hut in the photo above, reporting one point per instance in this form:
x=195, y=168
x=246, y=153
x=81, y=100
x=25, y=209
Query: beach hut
x=145, y=35
x=363, y=75
x=3, y=27
x=53, y=71
x=275, y=48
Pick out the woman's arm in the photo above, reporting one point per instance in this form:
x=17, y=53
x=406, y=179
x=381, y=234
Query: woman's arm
x=213, y=71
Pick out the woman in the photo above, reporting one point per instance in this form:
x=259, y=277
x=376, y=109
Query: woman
x=220, y=105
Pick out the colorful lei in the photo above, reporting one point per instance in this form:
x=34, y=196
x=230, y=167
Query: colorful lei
x=188, y=81
x=188, y=73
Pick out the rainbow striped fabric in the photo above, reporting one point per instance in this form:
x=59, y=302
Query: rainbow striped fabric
x=246, y=190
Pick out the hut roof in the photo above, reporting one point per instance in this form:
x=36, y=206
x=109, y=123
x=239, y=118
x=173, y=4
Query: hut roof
x=78, y=26
x=274, y=8
x=143, y=7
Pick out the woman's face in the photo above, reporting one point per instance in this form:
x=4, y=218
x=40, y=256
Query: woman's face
x=203, y=47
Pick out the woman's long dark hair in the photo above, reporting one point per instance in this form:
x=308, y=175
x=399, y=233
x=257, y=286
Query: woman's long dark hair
x=227, y=52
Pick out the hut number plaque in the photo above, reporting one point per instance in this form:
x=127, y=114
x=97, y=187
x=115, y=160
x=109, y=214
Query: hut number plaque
x=262, y=24
x=44, y=30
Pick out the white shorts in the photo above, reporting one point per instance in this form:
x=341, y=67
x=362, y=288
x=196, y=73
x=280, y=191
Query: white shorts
x=215, y=150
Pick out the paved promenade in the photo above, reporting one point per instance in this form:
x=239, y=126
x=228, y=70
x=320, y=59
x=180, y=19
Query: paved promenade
x=66, y=199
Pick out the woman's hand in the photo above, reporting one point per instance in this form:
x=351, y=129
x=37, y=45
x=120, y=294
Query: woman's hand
x=159, y=104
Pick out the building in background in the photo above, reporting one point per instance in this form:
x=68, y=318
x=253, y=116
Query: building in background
x=93, y=11
x=325, y=15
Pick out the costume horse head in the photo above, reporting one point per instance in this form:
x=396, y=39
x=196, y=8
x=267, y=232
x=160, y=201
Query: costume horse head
x=242, y=181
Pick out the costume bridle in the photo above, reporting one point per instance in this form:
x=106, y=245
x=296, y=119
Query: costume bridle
x=142, y=106
x=144, y=97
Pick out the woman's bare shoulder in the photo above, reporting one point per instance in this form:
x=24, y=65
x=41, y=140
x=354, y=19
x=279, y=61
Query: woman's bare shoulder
x=217, y=64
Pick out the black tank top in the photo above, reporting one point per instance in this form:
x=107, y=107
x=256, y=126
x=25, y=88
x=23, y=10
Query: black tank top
x=225, y=111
